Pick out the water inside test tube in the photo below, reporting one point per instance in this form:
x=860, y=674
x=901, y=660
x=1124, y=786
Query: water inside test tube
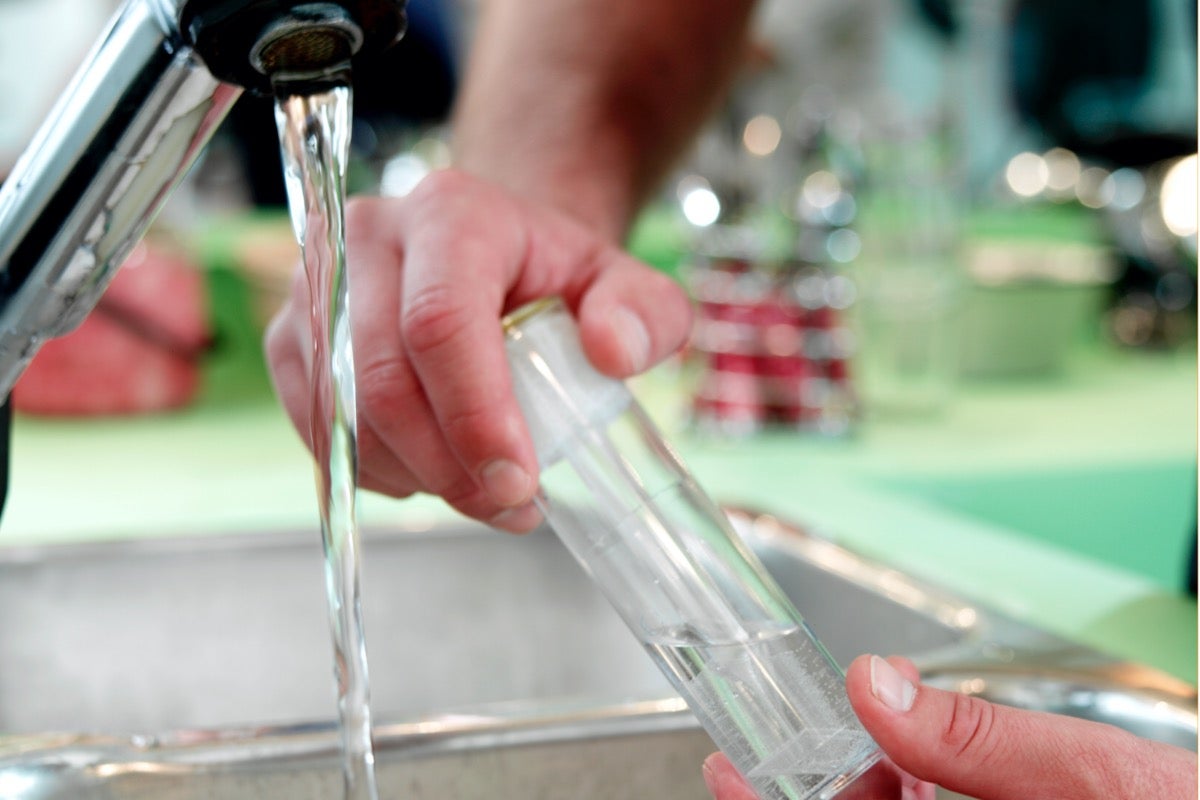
x=765, y=699
x=314, y=135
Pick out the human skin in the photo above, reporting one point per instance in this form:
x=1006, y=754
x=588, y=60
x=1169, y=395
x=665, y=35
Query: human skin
x=583, y=105
x=987, y=751
x=430, y=278
x=570, y=114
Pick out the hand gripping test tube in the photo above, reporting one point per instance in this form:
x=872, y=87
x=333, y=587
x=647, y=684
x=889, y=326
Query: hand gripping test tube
x=697, y=598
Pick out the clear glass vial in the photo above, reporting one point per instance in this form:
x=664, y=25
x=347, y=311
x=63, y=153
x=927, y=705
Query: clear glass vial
x=698, y=599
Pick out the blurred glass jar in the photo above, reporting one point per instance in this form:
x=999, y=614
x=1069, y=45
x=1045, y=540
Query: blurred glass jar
x=898, y=124
x=868, y=169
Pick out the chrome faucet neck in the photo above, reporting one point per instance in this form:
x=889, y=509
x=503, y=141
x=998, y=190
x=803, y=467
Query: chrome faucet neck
x=131, y=123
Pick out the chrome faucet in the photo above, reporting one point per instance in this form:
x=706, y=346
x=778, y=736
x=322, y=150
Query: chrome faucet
x=131, y=123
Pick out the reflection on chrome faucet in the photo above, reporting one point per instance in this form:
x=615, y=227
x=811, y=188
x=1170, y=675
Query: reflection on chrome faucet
x=130, y=124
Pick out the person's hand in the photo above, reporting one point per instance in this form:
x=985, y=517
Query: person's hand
x=988, y=751
x=431, y=274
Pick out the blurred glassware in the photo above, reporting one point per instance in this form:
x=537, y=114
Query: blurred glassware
x=842, y=149
x=770, y=339
x=1028, y=303
x=1150, y=215
x=911, y=266
x=1156, y=298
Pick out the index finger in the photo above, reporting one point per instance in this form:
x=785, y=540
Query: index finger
x=463, y=269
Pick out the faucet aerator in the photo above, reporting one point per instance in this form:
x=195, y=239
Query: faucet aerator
x=313, y=43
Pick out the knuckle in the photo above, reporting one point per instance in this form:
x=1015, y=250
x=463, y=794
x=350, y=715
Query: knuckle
x=383, y=384
x=430, y=321
x=969, y=733
x=468, y=424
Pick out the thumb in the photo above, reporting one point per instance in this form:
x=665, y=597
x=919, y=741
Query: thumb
x=994, y=752
x=631, y=317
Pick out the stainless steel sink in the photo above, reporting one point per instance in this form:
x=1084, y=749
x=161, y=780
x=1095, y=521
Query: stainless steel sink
x=202, y=668
x=161, y=635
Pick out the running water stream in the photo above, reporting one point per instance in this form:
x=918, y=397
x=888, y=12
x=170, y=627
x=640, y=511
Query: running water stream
x=314, y=136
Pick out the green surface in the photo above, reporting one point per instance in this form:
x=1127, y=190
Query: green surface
x=1131, y=516
x=659, y=238
x=1047, y=222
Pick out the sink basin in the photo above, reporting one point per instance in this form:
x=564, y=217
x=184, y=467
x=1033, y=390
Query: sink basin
x=224, y=631
x=202, y=668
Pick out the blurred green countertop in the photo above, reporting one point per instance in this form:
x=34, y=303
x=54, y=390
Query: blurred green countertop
x=1068, y=503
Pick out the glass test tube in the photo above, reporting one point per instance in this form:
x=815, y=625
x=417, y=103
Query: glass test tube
x=698, y=599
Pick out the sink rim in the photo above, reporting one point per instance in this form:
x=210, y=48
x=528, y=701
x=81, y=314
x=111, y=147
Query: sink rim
x=484, y=726
x=767, y=530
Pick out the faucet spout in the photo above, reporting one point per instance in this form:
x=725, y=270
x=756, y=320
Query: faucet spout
x=130, y=124
x=255, y=43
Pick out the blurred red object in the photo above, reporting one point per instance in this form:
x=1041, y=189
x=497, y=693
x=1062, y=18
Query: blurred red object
x=773, y=350
x=138, y=351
